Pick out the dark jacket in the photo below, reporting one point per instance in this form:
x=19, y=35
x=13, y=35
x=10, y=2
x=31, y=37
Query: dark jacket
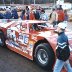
x=1, y=16
x=7, y=15
x=62, y=40
x=62, y=51
x=22, y=15
x=14, y=14
x=37, y=15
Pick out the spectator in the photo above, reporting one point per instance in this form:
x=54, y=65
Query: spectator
x=27, y=8
x=27, y=12
x=29, y=16
x=1, y=16
x=8, y=14
x=14, y=14
x=53, y=17
x=66, y=15
x=62, y=50
x=43, y=15
x=60, y=14
x=22, y=15
x=36, y=14
x=60, y=6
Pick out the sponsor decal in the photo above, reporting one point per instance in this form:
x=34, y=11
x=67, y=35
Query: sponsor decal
x=30, y=46
x=23, y=38
x=26, y=39
x=20, y=37
x=13, y=43
x=24, y=49
x=8, y=32
x=30, y=53
x=11, y=34
x=16, y=44
x=34, y=37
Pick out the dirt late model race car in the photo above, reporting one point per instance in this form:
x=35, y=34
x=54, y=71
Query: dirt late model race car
x=32, y=39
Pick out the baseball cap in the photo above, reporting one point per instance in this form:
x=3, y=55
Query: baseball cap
x=62, y=25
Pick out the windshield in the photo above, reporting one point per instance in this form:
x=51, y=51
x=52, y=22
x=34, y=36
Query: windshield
x=40, y=26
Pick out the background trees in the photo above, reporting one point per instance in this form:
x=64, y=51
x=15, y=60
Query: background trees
x=29, y=1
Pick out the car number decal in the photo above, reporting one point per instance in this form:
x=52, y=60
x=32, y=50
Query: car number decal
x=26, y=40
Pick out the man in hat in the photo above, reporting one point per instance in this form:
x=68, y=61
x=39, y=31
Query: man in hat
x=43, y=15
x=62, y=51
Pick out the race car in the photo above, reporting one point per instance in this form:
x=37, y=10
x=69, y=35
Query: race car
x=33, y=39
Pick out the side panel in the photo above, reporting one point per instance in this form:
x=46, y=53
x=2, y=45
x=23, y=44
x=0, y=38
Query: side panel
x=21, y=43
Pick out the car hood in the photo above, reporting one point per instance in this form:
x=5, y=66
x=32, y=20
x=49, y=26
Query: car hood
x=48, y=34
x=52, y=36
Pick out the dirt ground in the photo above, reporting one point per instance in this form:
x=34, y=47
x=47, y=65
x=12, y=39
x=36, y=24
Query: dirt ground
x=13, y=62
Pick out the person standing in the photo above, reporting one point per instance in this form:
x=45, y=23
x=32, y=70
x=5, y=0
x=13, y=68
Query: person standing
x=62, y=50
x=61, y=15
x=1, y=15
x=14, y=14
x=66, y=15
x=27, y=12
x=7, y=14
x=53, y=17
x=36, y=14
x=43, y=15
x=22, y=15
x=29, y=15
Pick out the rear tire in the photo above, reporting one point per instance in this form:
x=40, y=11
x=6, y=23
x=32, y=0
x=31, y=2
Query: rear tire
x=2, y=39
x=45, y=56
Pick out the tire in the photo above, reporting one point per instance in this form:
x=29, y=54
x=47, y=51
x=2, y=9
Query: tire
x=45, y=56
x=2, y=39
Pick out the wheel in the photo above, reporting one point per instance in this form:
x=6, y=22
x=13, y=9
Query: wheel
x=45, y=56
x=2, y=39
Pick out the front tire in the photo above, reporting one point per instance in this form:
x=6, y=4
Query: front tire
x=45, y=57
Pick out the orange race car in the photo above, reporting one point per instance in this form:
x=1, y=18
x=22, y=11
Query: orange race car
x=33, y=39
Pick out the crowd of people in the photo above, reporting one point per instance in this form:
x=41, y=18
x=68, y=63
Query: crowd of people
x=56, y=16
x=9, y=14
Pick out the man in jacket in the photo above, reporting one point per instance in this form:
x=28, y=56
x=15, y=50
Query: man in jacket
x=62, y=43
x=7, y=14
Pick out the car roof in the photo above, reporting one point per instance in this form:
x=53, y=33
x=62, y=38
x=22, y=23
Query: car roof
x=32, y=21
x=6, y=24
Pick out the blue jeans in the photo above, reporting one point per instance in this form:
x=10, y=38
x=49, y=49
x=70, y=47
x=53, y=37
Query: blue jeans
x=59, y=65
